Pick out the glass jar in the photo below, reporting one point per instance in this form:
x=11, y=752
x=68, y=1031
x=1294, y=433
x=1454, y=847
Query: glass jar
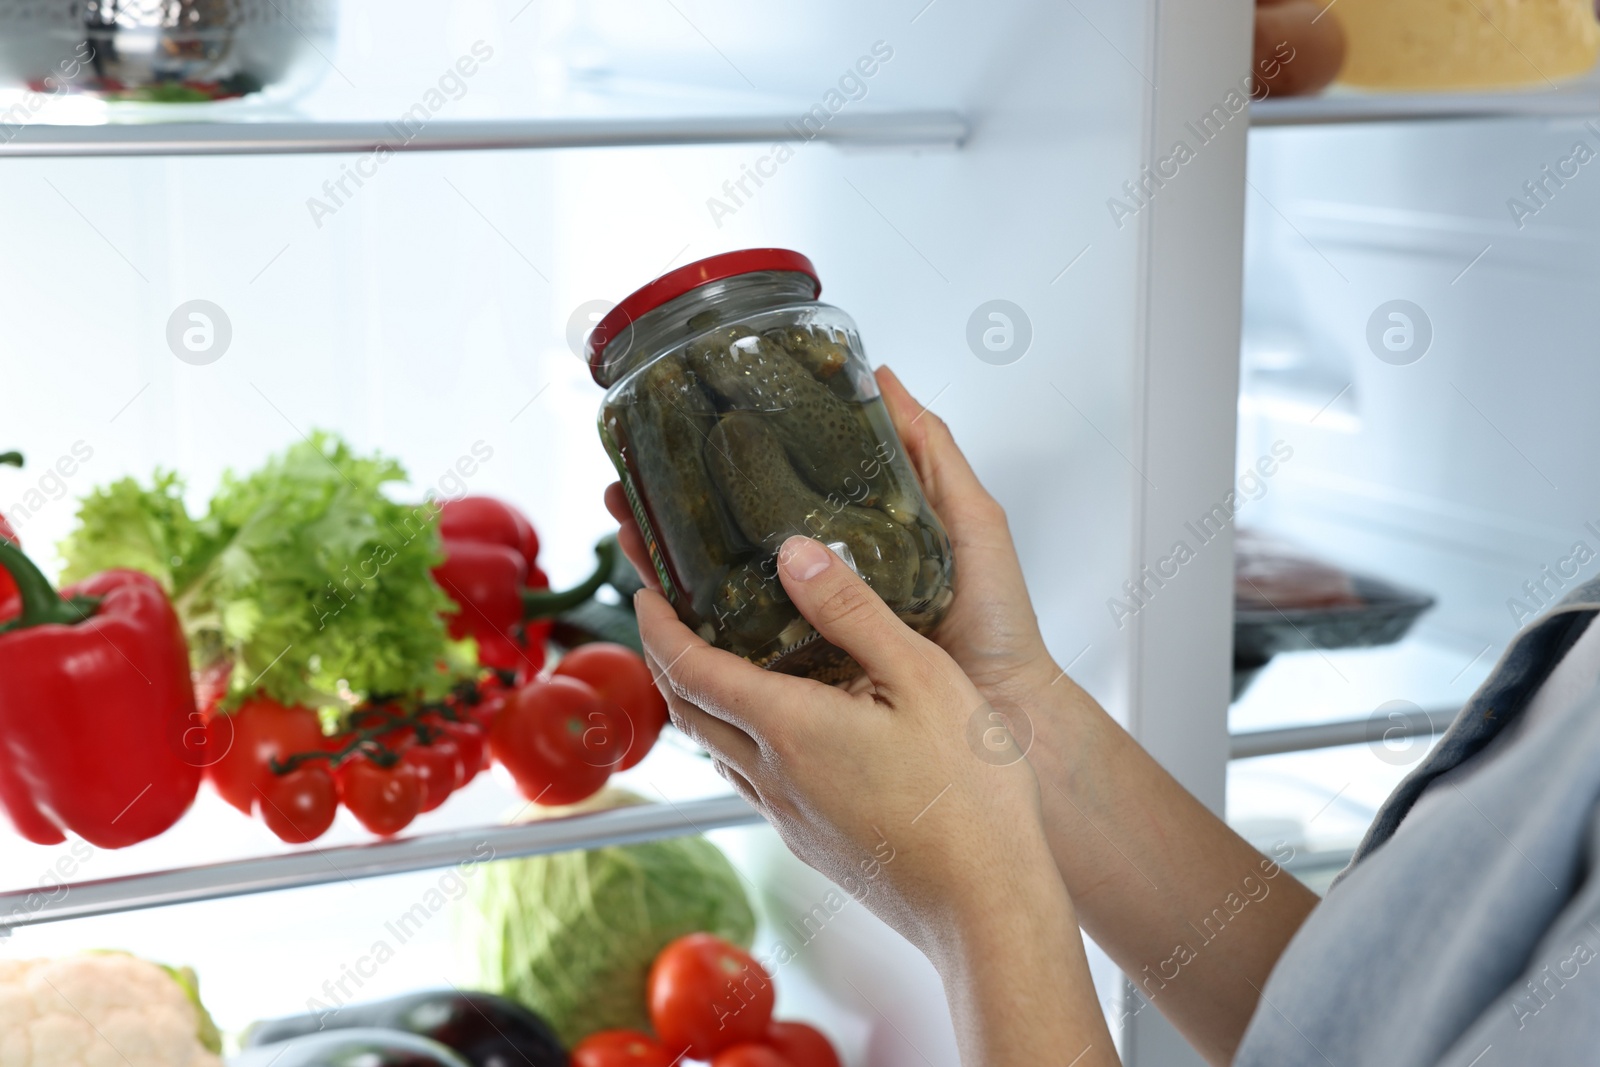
x=740, y=411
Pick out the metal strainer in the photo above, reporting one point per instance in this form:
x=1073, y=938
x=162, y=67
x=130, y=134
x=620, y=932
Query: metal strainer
x=164, y=50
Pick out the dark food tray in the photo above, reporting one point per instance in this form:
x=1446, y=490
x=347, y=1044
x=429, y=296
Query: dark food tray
x=1385, y=615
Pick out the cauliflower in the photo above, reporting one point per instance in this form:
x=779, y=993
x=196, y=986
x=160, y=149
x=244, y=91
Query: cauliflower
x=98, y=1010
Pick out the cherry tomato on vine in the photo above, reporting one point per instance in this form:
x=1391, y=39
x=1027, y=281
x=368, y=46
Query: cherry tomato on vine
x=249, y=738
x=557, y=740
x=707, y=994
x=492, y=697
x=383, y=799
x=801, y=1044
x=473, y=742
x=750, y=1055
x=622, y=679
x=620, y=1048
x=437, y=766
x=299, y=806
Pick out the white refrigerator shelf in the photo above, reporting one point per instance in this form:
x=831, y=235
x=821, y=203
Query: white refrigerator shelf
x=904, y=129
x=1574, y=100
x=310, y=865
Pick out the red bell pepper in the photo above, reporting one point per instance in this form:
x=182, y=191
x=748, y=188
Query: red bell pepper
x=96, y=709
x=10, y=601
x=485, y=519
x=504, y=600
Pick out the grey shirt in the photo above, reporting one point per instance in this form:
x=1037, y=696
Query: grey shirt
x=1466, y=931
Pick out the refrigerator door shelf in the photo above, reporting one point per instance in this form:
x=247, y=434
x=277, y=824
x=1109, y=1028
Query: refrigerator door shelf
x=1577, y=99
x=320, y=866
x=901, y=129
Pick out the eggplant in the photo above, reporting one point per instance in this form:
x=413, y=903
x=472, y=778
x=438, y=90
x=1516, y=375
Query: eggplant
x=350, y=1048
x=485, y=1030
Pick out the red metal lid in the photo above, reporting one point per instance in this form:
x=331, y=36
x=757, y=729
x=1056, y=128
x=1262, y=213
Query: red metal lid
x=675, y=283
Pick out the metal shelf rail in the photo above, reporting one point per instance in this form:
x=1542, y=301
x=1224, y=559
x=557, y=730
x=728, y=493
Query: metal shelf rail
x=900, y=129
x=1575, y=101
x=314, y=866
x=1395, y=727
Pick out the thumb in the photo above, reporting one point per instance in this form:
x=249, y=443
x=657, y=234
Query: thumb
x=846, y=612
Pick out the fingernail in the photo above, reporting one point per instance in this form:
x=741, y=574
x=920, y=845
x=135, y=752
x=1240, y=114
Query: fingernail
x=803, y=559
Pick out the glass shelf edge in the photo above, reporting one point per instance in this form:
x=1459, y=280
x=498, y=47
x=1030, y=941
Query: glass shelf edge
x=1340, y=109
x=869, y=129
x=311, y=866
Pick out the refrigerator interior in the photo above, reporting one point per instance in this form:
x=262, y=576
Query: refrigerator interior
x=431, y=312
x=1448, y=455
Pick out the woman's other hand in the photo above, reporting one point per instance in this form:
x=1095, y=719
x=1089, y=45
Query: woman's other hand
x=991, y=630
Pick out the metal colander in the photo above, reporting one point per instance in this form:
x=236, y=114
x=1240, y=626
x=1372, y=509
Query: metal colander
x=164, y=50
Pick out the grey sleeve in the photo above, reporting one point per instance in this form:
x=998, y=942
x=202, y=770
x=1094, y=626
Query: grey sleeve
x=1551, y=1014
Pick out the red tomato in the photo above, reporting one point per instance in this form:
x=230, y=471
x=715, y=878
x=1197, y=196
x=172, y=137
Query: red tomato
x=620, y=1048
x=801, y=1045
x=623, y=681
x=437, y=767
x=750, y=1055
x=707, y=994
x=557, y=740
x=383, y=799
x=473, y=743
x=299, y=806
x=249, y=739
x=490, y=703
x=535, y=648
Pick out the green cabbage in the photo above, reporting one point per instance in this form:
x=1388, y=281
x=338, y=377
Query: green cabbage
x=572, y=935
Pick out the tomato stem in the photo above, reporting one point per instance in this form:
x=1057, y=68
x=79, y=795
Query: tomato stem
x=365, y=740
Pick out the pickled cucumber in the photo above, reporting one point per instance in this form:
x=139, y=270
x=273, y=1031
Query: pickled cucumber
x=814, y=350
x=752, y=611
x=932, y=594
x=830, y=441
x=769, y=503
x=660, y=434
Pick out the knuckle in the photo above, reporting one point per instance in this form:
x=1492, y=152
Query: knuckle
x=685, y=672
x=848, y=602
x=936, y=426
x=776, y=742
x=989, y=510
x=679, y=712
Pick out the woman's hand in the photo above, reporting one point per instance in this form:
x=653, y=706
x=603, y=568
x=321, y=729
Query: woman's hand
x=850, y=776
x=888, y=782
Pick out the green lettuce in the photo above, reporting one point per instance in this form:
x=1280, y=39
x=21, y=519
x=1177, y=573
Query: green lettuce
x=303, y=575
